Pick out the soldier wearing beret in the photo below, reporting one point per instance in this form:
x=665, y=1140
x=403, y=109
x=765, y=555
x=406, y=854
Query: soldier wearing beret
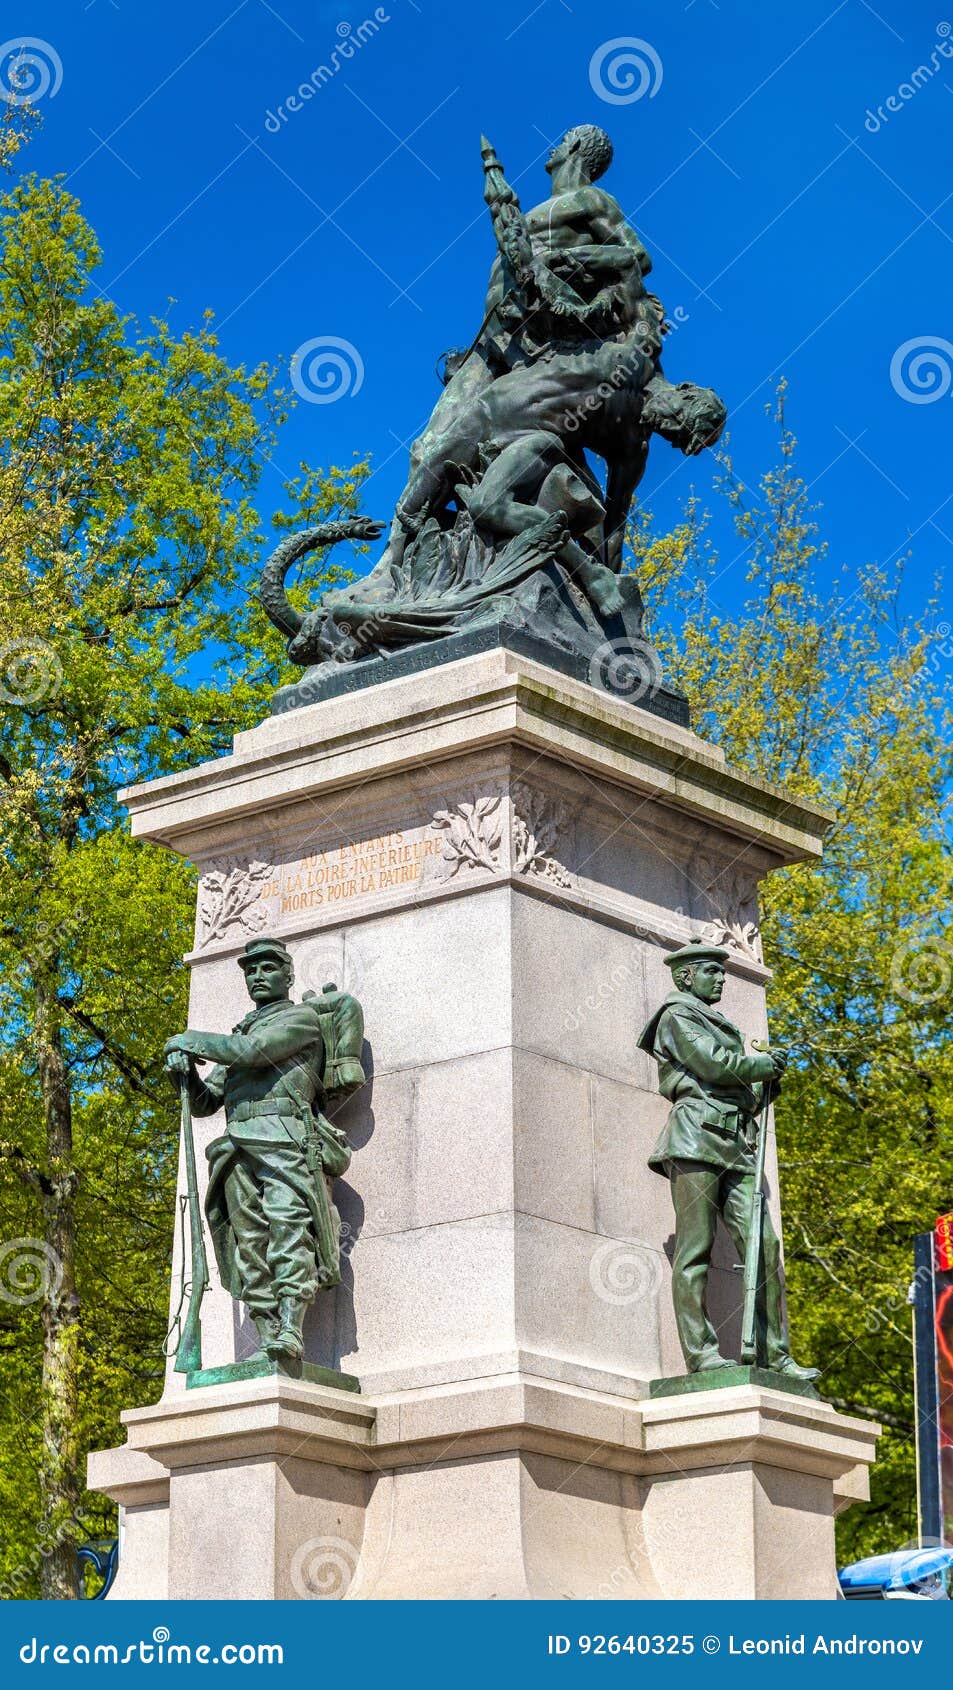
x=707, y=1151
x=274, y=1227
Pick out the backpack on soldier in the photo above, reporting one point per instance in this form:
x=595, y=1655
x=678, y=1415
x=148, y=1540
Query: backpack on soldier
x=342, y=1029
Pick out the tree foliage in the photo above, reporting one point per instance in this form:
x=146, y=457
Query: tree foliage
x=18, y=119
x=823, y=684
x=130, y=645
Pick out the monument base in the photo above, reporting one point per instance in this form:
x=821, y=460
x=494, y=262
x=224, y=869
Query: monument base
x=262, y=1367
x=495, y=858
x=511, y=1488
x=720, y=1378
x=584, y=661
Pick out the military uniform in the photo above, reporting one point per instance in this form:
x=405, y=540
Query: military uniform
x=715, y=1089
x=274, y=1228
x=707, y=1151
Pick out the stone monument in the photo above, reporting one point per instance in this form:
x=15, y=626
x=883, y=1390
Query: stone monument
x=484, y=815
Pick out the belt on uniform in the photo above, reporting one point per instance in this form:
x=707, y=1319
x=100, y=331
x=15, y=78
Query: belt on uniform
x=248, y=1111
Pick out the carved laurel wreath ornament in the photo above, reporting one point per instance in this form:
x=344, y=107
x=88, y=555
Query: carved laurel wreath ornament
x=230, y=897
x=733, y=909
x=538, y=822
x=474, y=832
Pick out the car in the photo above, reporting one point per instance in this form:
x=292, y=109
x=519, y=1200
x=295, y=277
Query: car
x=924, y=1575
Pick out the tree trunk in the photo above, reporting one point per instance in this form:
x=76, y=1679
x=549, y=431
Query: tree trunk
x=61, y=1481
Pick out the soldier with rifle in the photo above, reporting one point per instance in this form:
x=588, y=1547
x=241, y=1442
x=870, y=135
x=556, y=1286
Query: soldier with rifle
x=275, y=1230
x=709, y=1151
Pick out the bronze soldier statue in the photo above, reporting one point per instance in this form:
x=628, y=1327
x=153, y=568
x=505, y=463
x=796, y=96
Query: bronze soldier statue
x=707, y=1151
x=275, y=1230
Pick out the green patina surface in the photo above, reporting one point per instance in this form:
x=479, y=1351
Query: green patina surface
x=262, y=1367
x=711, y=1150
x=502, y=519
x=273, y=1223
x=722, y=1378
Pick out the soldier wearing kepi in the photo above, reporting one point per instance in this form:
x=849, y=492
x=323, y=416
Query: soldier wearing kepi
x=274, y=1227
x=707, y=1151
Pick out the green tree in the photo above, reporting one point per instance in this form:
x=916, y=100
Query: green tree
x=18, y=119
x=130, y=645
x=838, y=696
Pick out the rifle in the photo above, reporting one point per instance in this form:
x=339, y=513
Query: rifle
x=188, y=1355
x=749, y=1322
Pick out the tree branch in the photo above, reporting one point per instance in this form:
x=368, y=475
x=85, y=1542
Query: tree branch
x=130, y=1071
x=30, y=1175
x=895, y=1421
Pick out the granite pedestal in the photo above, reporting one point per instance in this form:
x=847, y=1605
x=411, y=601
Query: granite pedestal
x=494, y=858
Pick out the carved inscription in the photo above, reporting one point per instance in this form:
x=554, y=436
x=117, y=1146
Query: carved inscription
x=252, y=896
x=353, y=871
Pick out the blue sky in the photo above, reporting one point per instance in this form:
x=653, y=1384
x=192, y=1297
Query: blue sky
x=794, y=231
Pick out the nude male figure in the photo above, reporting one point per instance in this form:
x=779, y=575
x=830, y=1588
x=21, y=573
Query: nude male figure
x=581, y=235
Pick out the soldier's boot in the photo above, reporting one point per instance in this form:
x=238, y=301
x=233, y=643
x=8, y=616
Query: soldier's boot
x=785, y=1363
x=267, y=1326
x=710, y=1359
x=289, y=1339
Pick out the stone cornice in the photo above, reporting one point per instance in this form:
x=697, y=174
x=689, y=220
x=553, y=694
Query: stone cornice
x=425, y=722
